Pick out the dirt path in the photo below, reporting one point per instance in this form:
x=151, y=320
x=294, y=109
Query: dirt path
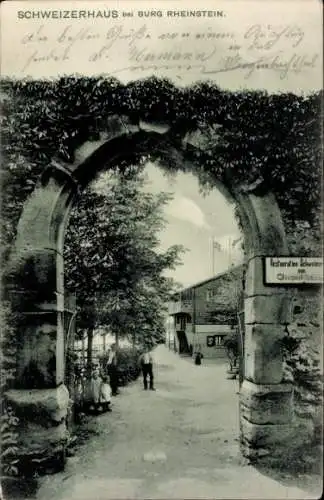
x=178, y=442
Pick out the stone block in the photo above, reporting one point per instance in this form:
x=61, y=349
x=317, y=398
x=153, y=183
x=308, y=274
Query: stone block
x=116, y=126
x=42, y=451
x=33, y=272
x=263, y=354
x=272, y=309
x=36, y=358
x=269, y=235
x=42, y=432
x=47, y=406
x=266, y=404
x=265, y=435
x=254, y=280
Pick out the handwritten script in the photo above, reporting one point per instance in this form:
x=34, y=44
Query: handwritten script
x=118, y=49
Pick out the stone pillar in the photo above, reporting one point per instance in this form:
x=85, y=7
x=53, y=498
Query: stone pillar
x=265, y=402
x=35, y=290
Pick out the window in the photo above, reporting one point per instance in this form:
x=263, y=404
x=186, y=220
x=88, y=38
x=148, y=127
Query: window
x=187, y=295
x=210, y=294
x=219, y=339
x=214, y=340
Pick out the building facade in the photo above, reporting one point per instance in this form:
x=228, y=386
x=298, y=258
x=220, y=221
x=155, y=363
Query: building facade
x=203, y=314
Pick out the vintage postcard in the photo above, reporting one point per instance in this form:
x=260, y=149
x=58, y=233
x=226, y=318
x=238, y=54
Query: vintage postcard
x=161, y=249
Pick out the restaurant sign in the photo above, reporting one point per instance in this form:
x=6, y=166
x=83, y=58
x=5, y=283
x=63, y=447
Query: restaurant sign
x=293, y=270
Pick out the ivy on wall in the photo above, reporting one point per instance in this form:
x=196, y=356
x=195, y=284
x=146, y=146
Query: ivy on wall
x=248, y=137
x=8, y=422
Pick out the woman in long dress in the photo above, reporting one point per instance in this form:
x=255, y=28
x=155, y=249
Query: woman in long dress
x=104, y=398
x=95, y=384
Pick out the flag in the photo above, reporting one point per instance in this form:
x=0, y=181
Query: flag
x=235, y=242
x=217, y=245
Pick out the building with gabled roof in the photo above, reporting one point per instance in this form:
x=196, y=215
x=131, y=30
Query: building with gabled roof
x=204, y=313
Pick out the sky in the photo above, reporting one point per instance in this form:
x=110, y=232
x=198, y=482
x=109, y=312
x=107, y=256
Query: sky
x=194, y=220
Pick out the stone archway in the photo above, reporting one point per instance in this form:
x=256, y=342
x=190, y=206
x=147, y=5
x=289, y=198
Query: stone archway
x=35, y=284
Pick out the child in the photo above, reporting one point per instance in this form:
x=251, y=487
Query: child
x=95, y=384
x=104, y=397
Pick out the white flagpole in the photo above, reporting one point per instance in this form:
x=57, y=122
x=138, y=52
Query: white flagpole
x=213, y=256
x=210, y=249
x=229, y=252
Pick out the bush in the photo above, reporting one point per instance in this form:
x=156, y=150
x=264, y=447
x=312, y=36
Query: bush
x=9, y=422
x=232, y=348
x=128, y=366
x=303, y=371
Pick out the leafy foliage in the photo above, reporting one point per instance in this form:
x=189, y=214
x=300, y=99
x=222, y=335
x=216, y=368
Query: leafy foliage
x=303, y=238
x=9, y=422
x=248, y=136
x=223, y=305
x=128, y=365
x=302, y=369
x=112, y=258
x=9, y=442
x=231, y=346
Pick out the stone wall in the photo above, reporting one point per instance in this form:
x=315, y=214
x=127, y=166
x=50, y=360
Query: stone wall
x=304, y=366
x=210, y=339
x=43, y=433
x=304, y=369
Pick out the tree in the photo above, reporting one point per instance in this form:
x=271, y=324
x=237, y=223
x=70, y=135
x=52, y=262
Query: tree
x=112, y=258
x=231, y=346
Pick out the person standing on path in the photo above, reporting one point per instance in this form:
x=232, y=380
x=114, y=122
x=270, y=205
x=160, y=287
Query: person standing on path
x=146, y=361
x=198, y=356
x=112, y=370
x=104, y=397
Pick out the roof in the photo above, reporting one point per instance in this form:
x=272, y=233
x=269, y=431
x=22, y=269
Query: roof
x=204, y=282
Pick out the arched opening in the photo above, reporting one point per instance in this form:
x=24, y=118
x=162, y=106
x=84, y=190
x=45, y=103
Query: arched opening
x=35, y=284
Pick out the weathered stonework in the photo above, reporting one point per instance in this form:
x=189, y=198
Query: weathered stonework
x=265, y=435
x=36, y=280
x=307, y=328
x=270, y=309
x=266, y=404
x=40, y=404
x=43, y=434
x=254, y=279
x=263, y=354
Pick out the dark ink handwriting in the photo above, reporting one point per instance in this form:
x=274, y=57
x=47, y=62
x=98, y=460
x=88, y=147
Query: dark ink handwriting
x=38, y=36
x=295, y=63
x=146, y=56
x=266, y=37
x=263, y=47
x=118, y=33
x=276, y=63
x=52, y=56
